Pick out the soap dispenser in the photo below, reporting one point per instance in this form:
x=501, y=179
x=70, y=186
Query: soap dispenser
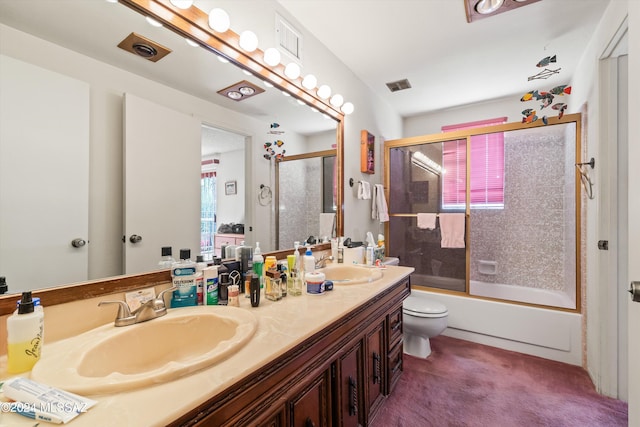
x=309, y=261
x=25, y=333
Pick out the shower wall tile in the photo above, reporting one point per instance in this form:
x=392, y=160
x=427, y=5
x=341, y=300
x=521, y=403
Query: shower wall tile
x=528, y=237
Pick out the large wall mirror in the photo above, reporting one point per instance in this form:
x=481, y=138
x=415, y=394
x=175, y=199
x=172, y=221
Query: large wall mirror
x=77, y=40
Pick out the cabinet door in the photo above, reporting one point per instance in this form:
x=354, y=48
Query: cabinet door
x=310, y=407
x=375, y=365
x=350, y=404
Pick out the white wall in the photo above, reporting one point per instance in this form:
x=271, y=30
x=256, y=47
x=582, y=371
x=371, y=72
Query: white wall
x=230, y=207
x=600, y=312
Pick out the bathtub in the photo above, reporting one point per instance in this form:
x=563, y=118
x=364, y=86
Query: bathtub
x=538, y=331
x=522, y=294
x=495, y=290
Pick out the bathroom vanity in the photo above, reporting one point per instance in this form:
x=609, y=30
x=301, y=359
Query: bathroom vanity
x=313, y=361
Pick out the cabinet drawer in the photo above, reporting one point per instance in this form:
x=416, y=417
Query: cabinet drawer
x=394, y=365
x=394, y=325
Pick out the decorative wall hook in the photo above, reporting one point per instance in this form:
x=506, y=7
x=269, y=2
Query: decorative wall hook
x=584, y=177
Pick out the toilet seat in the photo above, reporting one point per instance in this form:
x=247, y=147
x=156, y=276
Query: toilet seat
x=422, y=307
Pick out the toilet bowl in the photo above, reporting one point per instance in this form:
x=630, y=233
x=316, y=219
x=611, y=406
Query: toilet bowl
x=422, y=319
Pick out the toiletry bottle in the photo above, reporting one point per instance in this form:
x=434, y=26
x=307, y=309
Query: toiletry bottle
x=296, y=255
x=3, y=285
x=25, y=334
x=255, y=290
x=309, y=261
x=210, y=285
x=183, y=274
x=223, y=288
x=166, y=260
x=200, y=266
x=258, y=264
x=369, y=255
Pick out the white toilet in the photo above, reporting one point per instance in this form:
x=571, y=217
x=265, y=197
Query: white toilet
x=422, y=319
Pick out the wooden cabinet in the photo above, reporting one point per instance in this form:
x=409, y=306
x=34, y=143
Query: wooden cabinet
x=310, y=407
x=349, y=387
x=337, y=377
x=376, y=362
x=394, y=347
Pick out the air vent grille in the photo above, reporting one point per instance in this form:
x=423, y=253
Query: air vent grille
x=289, y=39
x=399, y=85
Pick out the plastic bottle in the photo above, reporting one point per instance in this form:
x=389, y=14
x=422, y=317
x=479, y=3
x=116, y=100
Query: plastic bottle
x=297, y=259
x=3, y=285
x=183, y=274
x=309, y=261
x=210, y=286
x=166, y=260
x=25, y=334
x=258, y=265
x=369, y=255
x=200, y=266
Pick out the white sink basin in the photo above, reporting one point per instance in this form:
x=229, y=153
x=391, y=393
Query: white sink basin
x=351, y=274
x=110, y=359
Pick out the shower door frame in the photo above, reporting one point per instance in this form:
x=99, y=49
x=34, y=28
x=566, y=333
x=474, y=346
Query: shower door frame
x=467, y=134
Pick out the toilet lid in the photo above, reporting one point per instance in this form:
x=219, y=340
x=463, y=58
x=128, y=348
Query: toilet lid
x=423, y=306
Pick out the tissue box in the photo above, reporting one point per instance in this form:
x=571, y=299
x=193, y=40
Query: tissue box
x=354, y=255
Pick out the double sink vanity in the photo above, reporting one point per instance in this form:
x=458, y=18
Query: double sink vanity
x=311, y=360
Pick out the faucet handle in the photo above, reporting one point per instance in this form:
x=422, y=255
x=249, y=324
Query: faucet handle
x=159, y=301
x=124, y=316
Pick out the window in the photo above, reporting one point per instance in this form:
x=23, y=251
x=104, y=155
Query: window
x=487, y=168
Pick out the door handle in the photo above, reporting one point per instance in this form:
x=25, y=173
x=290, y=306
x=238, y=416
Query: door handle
x=78, y=243
x=135, y=238
x=634, y=290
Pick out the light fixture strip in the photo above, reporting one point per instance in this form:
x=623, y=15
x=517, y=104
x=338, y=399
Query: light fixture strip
x=193, y=23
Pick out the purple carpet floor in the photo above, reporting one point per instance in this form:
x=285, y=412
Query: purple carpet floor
x=464, y=384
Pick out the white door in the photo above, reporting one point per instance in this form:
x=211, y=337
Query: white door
x=634, y=210
x=161, y=183
x=44, y=176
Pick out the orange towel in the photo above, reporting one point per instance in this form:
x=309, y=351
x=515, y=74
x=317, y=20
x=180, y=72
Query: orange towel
x=452, y=230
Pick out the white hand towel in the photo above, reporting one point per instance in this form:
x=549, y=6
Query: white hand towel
x=379, y=204
x=426, y=221
x=452, y=230
x=364, y=190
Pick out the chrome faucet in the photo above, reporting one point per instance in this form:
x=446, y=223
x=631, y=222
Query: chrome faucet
x=147, y=311
x=322, y=261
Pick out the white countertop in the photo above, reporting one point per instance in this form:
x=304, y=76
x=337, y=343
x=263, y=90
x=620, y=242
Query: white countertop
x=281, y=326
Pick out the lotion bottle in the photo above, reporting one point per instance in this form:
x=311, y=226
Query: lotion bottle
x=309, y=261
x=25, y=333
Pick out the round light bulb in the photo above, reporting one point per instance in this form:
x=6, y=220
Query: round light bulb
x=324, y=92
x=310, y=81
x=347, y=108
x=485, y=7
x=248, y=41
x=182, y=4
x=272, y=56
x=292, y=70
x=336, y=100
x=219, y=20
x=234, y=95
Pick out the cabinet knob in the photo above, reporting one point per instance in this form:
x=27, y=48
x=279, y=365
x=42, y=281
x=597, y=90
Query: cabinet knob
x=309, y=423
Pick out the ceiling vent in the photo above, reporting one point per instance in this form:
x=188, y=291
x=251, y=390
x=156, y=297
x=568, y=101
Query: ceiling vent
x=241, y=90
x=399, y=85
x=142, y=46
x=289, y=39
